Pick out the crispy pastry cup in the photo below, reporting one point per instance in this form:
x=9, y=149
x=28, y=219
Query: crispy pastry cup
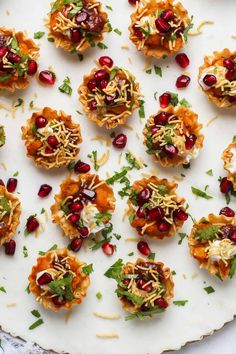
x=192, y=126
x=152, y=231
x=32, y=144
x=151, y=49
x=167, y=282
x=226, y=157
x=27, y=47
x=210, y=60
x=198, y=249
x=83, y=92
x=80, y=282
x=62, y=41
x=11, y=230
x=104, y=201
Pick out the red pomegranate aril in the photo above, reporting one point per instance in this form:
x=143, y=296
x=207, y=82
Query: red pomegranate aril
x=209, y=80
x=48, y=150
x=76, y=244
x=32, y=67
x=190, y=141
x=109, y=99
x=133, y=2
x=161, y=118
x=105, y=61
x=2, y=183
x=88, y=194
x=101, y=75
x=143, y=248
x=231, y=75
x=225, y=185
x=228, y=63
x=81, y=167
x=161, y=303
x=227, y=212
x=231, y=99
x=47, y=77
x=140, y=212
x=13, y=58
x=74, y=218
x=165, y=99
x=167, y=15
x=126, y=281
x=138, y=33
x=81, y=17
x=182, y=60
x=170, y=150
x=183, y=81
x=180, y=215
x=120, y=141
x=11, y=185
x=226, y=231
x=75, y=35
x=57, y=301
x=3, y=51
x=40, y=122
x=103, y=84
x=232, y=236
x=92, y=84
x=83, y=231
x=162, y=25
x=44, y=279
x=52, y=141
x=93, y=105
x=32, y=224
x=44, y=190
x=10, y=247
x=143, y=196
x=141, y=284
x=155, y=214
x=108, y=249
x=164, y=226
x=76, y=207
x=155, y=130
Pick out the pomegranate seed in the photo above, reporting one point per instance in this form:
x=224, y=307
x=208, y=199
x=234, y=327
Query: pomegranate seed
x=133, y=2
x=32, y=67
x=32, y=224
x=88, y=194
x=167, y=15
x=74, y=218
x=161, y=303
x=165, y=99
x=109, y=99
x=108, y=249
x=141, y=284
x=44, y=190
x=76, y=244
x=170, y=150
x=52, y=141
x=143, y=196
x=2, y=183
x=182, y=81
x=209, y=80
x=3, y=51
x=81, y=17
x=76, y=207
x=84, y=231
x=181, y=215
x=13, y=58
x=232, y=236
x=143, y=248
x=232, y=99
x=101, y=75
x=225, y=185
x=226, y=230
x=156, y=213
x=162, y=118
x=75, y=35
x=164, y=226
x=44, y=279
x=227, y=212
x=140, y=213
x=138, y=33
x=231, y=75
x=190, y=141
x=105, y=61
x=92, y=84
x=120, y=141
x=182, y=60
x=126, y=281
x=57, y=301
x=40, y=122
x=228, y=63
x=93, y=105
x=162, y=25
x=11, y=185
x=10, y=247
x=81, y=167
x=103, y=84
x=155, y=130
x=47, y=77
x=48, y=150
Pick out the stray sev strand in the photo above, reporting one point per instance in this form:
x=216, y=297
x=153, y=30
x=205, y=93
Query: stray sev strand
x=67, y=316
x=13, y=304
x=125, y=47
x=233, y=36
x=211, y=120
x=107, y=317
x=198, y=30
x=127, y=126
x=107, y=335
x=132, y=239
x=194, y=276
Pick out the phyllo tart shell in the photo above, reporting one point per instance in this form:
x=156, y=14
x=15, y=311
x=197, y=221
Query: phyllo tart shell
x=228, y=157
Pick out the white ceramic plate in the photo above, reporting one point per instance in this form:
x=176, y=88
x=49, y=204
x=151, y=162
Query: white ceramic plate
x=203, y=313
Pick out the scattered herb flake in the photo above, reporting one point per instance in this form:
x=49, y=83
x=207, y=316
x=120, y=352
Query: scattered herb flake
x=182, y=236
x=102, y=46
x=38, y=35
x=109, y=7
x=232, y=267
x=115, y=270
x=99, y=295
x=25, y=252
x=50, y=39
x=117, y=31
x=19, y=102
x=130, y=254
x=141, y=109
x=180, y=302
x=184, y=103
x=2, y=289
x=137, y=299
x=158, y=70
x=35, y=313
x=152, y=256
x=66, y=86
x=143, y=314
x=36, y=324
x=209, y=290
x=93, y=156
x=88, y=269
x=200, y=193
x=209, y=173
x=16, y=174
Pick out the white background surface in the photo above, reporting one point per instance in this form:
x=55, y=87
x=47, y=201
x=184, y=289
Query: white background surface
x=178, y=325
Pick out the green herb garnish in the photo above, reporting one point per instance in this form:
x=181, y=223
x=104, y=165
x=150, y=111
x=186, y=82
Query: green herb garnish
x=141, y=109
x=180, y=302
x=182, y=236
x=137, y=299
x=143, y=314
x=88, y=269
x=158, y=70
x=102, y=46
x=117, y=31
x=184, y=103
x=35, y=313
x=25, y=251
x=209, y=290
x=66, y=86
x=200, y=193
x=19, y=102
x=232, y=267
x=114, y=271
x=38, y=35
x=62, y=287
x=36, y=324
x=207, y=233
x=99, y=295
x=209, y=173
x=2, y=289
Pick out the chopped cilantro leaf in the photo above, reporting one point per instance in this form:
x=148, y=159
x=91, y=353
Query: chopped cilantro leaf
x=36, y=324
x=35, y=313
x=200, y=193
x=38, y=35
x=209, y=290
x=182, y=236
x=180, y=302
x=88, y=269
x=66, y=86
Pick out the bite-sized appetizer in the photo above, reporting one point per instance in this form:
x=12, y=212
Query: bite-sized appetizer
x=173, y=136
x=154, y=208
x=10, y=212
x=229, y=158
x=2, y=136
x=18, y=59
x=58, y=281
x=145, y=287
x=109, y=95
x=83, y=206
x=217, y=78
x=213, y=243
x=159, y=27
x=75, y=27
x=51, y=138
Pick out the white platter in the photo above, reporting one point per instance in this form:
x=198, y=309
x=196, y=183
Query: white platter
x=204, y=313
